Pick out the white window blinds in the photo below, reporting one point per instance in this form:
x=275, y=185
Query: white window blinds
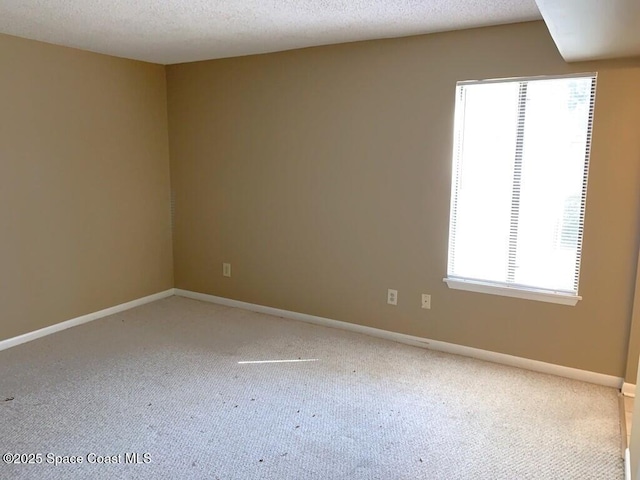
x=519, y=183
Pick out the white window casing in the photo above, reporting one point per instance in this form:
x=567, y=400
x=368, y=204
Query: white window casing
x=519, y=185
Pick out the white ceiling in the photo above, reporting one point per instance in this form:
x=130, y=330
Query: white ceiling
x=177, y=31
x=593, y=29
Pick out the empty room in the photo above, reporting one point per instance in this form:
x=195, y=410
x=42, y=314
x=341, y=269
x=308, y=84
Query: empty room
x=319, y=240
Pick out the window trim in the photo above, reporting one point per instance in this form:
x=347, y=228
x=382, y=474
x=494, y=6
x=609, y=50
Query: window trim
x=514, y=291
x=532, y=78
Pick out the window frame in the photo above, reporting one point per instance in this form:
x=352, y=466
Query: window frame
x=515, y=290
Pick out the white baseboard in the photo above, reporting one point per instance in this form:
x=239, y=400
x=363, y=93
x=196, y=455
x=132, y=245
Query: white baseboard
x=629, y=390
x=27, y=337
x=627, y=465
x=501, y=358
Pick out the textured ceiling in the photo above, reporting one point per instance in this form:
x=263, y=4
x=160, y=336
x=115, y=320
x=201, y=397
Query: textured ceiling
x=176, y=31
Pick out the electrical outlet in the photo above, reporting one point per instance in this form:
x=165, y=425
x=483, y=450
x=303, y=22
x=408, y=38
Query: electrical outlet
x=426, y=301
x=226, y=269
x=392, y=297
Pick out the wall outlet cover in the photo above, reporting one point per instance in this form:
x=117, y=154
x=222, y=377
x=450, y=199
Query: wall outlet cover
x=426, y=301
x=392, y=297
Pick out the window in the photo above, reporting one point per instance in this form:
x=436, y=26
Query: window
x=519, y=185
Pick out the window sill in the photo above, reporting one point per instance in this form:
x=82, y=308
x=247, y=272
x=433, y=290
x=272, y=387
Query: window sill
x=516, y=292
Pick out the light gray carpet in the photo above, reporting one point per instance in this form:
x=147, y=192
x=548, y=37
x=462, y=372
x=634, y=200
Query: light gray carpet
x=164, y=379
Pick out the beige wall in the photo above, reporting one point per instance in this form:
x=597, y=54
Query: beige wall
x=84, y=183
x=323, y=176
x=634, y=334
